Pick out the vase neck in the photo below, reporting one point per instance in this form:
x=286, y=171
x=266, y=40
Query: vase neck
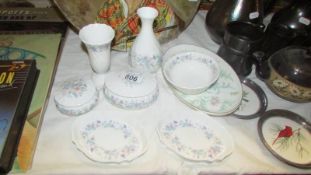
x=147, y=25
x=147, y=16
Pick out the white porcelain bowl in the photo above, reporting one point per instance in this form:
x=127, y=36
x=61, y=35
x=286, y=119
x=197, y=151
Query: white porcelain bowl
x=131, y=89
x=76, y=96
x=191, y=72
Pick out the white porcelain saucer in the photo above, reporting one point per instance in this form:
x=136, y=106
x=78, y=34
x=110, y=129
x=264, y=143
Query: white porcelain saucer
x=196, y=139
x=108, y=140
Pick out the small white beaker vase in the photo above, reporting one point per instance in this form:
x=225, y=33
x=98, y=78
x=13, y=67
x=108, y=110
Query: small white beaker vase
x=146, y=51
x=97, y=39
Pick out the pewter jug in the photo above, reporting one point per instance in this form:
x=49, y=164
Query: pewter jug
x=297, y=17
x=224, y=11
x=290, y=25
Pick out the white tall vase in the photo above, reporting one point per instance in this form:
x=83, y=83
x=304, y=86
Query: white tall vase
x=146, y=51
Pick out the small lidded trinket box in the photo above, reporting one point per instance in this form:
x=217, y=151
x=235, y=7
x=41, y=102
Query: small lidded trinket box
x=76, y=96
x=131, y=89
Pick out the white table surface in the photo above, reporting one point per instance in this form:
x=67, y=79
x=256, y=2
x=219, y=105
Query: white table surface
x=56, y=154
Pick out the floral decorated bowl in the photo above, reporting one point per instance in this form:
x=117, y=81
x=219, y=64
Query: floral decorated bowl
x=76, y=96
x=191, y=72
x=131, y=89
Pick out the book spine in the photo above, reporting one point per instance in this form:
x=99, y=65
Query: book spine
x=11, y=145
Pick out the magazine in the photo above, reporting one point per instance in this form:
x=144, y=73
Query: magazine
x=45, y=49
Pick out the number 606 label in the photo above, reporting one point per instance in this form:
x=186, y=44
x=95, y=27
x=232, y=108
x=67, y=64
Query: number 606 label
x=133, y=77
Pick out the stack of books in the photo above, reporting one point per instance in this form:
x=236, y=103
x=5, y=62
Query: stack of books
x=32, y=34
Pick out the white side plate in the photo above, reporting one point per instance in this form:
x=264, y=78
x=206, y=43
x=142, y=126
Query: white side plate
x=196, y=139
x=108, y=140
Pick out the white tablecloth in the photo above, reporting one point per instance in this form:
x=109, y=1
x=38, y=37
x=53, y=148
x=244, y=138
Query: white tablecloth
x=56, y=154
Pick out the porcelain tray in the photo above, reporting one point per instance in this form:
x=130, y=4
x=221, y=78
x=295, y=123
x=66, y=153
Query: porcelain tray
x=108, y=140
x=196, y=138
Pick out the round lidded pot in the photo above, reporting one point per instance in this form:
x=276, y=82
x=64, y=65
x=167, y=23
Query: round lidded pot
x=131, y=89
x=76, y=96
x=287, y=73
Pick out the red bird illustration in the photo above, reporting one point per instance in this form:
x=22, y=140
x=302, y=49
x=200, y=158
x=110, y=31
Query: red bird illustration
x=284, y=133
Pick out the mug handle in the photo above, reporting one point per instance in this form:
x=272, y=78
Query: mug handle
x=261, y=62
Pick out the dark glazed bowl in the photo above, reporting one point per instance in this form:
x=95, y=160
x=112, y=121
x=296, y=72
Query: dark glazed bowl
x=290, y=73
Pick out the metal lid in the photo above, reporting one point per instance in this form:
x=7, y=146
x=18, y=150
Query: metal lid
x=293, y=63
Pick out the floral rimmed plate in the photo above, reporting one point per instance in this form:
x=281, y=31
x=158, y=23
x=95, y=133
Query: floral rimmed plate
x=254, y=102
x=287, y=136
x=107, y=140
x=196, y=139
x=223, y=97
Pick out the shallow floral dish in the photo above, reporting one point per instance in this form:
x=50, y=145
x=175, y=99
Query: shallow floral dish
x=287, y=136
x=108, y=140
x=131, y=89
x=254, y=102
x=223, y=97
x=76, y=96
x=196, y=139
x=191, y=72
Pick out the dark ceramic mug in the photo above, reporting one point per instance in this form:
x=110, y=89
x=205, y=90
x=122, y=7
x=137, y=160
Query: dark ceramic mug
x=243, y=36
